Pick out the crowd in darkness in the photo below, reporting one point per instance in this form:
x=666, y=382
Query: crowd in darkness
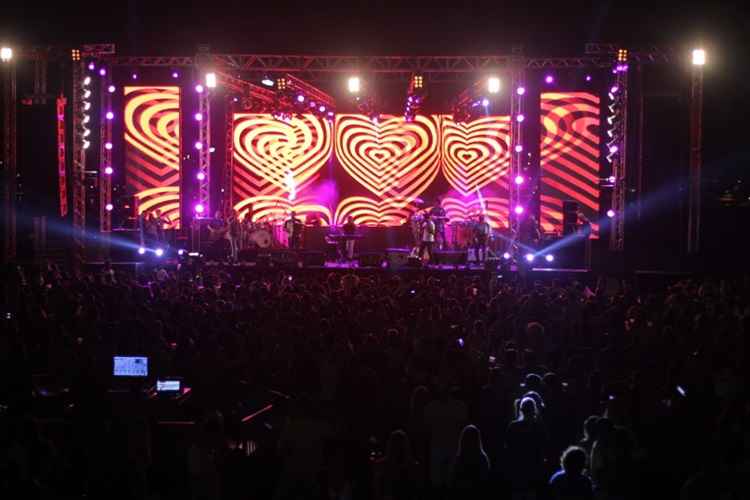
x=383, y=386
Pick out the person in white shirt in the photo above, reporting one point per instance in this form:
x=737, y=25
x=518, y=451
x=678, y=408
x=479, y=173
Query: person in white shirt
x=428, y=237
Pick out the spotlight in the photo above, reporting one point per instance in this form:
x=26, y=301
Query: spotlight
x=86, y=119
x=519, y=179
x=529, y=257
x=86, y=132
x=211, y=149
x=549, y=257
x=267, y=81
x=6, y=54
x=199, y=208
x=198, y=145
x=134, y=76
x=201, y=176
x=109, y=115
x=159, y=252
x=111, y=89
x=699, y=57
x=622, y=55
x=485, y=102
x=108, y=146
x=91, y=66
x=198, y=116
x=549, y=79
x=211, y=80
x=518, y=210
x=181, y=252
x=353, y=85
x=493, y=85
x=614, y=89
x=521, y=90
x=87, y=80
x=300, y=98
x=520, y=118
x=108, y=207
x=86, y=144
x=417, y=82
x=322, y=109
x=506, y=256
x=86, y=106
x=102, y=71
x=519, y=148
x=141, y=250
x=588, y=78
x=612, y=179
x=86, y=94
x=75, y=55
x=610, y=213
x=108, y=170
x=199, y=88
x=175, y=74
x=613, y=149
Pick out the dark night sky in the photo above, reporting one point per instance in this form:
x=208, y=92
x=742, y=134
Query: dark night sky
x=149, y=27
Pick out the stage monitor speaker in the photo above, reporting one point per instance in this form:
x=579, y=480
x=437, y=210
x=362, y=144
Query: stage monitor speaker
x=396, y=257
x=492, y=264
x=248, y=255
x=570, y=216
x=450, y=258
x=284, y=258
x=313, y=259
x=370, y=259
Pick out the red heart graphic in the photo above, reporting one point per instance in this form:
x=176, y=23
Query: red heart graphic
x=269, y=152
x=475, y=153
x=392, y=157
x=494, y=208
x=276, y=209
x=369, y=212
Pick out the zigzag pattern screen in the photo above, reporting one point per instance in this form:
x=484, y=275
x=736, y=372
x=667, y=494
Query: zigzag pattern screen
x=152, y=149
x=377, y=172
x=569, y=157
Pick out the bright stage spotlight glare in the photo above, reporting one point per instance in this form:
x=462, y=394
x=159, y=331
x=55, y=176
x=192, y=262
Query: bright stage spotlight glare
x=485, y=102
x=300, y=98
x=518, y=210
x=201, y=176
x=529, y=257
x=549, y=79
x=86, y=144
x=199, y=88
x=520, y=118
x=211, y=80
x=134, y=76
x=519, y=179
x=109, y=207
x=699, y=57
x=109, y=170
x=175, y=74
x=549, y=257
x=322, y=109
x=267, y=81
x=198, y=145
x=86, y=94
x=6, y=54
x=108, y=146
x=102, y=71
x=199, y=208
x=141, y=250
x=612, y=179
x=159, y=252
x=506, y=256
x=588, y=78
x=111, y=89
x=521, y=90
x=353, y=84
x=610, y=213
x=86, y=106
x=493, y=85
x=519, y=148
x=110, y=115
x=181, y=252
x=614, y=89
x=613, y=149
x=92, y=66
x=198, y=116
x=87, y=80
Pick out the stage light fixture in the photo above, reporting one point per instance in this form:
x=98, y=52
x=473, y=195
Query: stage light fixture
x=518, y=210
x=520, y=118
x=86, y=119
x=622, y=55
x=198, y=145
x=322, y=109
x=198, y=116
x=529, y=257
x=6, y=54
x=87, y=81
x=281, y=83
x=86, y=144
x=110, y=115
x=549, y=79
x=199, y=88
x=614, y=89
x=108, y=146
x=181, y=252
x=353, y=84
x=613, y=149
x=86, y=106
x=75, y=55
x=519, y=148
x=485, y=102
x=519, y=179
x=141, y=250
x=588, y=78
x=612, y=179
x=108, y=170
x=521, y=90
x=102, y=71
x=201, y=176
x=699, y=57
x=175, y=74
x=86, y=94
x=417, y=82
x=134, y=76
x=610, y=213
x=109, y=207
x=111, y=89
x=300, y=98
x=199, y=208
x=549, y=257
x=211, y=149
x=493, y=85
x=506, y=256
x=159, y=252
x=267, y=81
x=211, y=80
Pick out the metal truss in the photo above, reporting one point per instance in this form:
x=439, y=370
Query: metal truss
x=619, y=167
x=78, y=180
x=8, y=166
x=105, y=160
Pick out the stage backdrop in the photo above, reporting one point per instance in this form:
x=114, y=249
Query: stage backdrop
x=152, y=149
x=569, y=156
x=378, y=172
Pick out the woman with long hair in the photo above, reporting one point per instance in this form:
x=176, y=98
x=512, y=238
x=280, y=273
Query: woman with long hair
x=470, y=472
x=525, y=447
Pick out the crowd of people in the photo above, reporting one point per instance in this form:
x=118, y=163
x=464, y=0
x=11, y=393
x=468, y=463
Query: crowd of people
x=374, y=385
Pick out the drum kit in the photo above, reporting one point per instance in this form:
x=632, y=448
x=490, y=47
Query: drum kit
x=260, y=234
x=459, y=234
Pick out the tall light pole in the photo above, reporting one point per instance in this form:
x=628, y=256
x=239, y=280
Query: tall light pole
x=696, y=138
x=8, y=74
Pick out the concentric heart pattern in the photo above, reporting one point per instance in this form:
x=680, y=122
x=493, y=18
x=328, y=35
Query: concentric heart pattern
x=494, y=208
x=569, y=157
x=368, y=212
x=269, y=153
x=275, y=209
x=475, y=153
x=152, y=149
x=390, y=157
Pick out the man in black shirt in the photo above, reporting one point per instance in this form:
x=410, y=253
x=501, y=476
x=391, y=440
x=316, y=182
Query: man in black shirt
x=437, y=213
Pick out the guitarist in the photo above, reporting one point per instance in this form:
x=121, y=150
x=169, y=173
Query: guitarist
x=437, y=213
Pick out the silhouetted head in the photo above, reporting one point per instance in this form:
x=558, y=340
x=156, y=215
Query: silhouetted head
x=573, y=460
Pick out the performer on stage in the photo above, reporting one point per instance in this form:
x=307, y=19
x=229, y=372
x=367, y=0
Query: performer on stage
x=293, y=228
x=529, y=232
x=160, y=222
x=428, y=237
x=415, y=220
x=583, y=228
x=233, y=235
x=481, y=236
x=349, y=229
x=437, y=213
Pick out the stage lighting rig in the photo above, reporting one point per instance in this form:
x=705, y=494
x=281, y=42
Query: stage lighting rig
x=415, y=97
x=296, y=97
